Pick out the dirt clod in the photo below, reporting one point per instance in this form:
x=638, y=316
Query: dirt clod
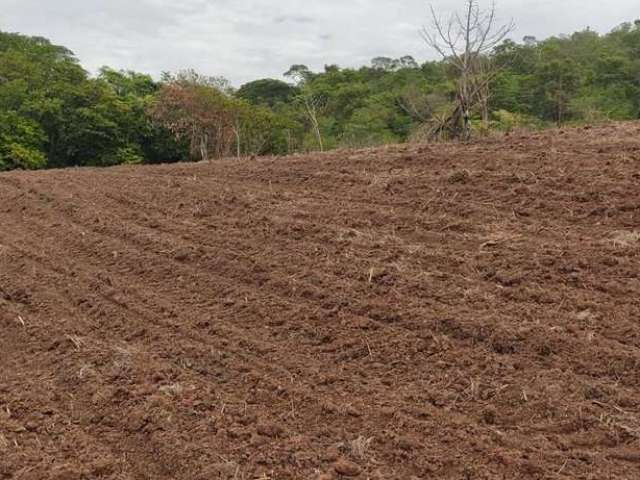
x=269, y=429
x=460, y=176
x=347, y=468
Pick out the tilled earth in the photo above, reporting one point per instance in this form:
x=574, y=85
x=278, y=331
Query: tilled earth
x=412, y=312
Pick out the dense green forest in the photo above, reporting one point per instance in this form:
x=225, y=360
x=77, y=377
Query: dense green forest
x=54, y=114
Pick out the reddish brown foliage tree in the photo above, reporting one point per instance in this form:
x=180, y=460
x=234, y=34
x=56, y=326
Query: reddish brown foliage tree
x=198, y=111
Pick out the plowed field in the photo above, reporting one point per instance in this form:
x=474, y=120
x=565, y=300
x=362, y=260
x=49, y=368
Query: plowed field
x=412, y=312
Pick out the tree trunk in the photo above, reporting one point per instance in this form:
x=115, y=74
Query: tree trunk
x=289, y=142
x=466, y=131
x=236, y=132
x=484, y=106
x=310, y=106
x=318, y=135
x=204, y=146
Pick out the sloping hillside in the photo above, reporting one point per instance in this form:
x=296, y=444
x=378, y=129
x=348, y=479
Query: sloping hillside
x=441, y=311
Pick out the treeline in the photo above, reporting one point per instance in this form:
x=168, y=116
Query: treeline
x=54, y=114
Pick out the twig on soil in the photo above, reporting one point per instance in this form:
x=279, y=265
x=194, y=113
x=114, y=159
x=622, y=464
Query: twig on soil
x=292, y=411
x=604, y=405
x=368, y=347
x=564, y=465
x=77, y=341
x=490, y=243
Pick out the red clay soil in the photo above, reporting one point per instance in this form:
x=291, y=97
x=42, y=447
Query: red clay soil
x=412, y=312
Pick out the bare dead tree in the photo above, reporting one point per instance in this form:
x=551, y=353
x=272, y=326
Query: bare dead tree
x=465, y=41
x=312, y=104
x=237, y=130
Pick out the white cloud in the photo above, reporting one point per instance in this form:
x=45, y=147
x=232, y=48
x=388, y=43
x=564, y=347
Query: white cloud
x=245, y=40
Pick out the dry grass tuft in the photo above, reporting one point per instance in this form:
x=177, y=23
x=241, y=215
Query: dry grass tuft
x=624, y=239
x=77, y=341
x=357, y=448
x=172, y=390
x=620, y=421
x=625, y=422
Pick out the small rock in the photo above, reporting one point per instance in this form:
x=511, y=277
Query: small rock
x=332, y=454
x=258, y=441
x=328, y=407
x=347, y=468
x=507, y=279
x=584, y=315
x=325, y=476
x=31, y=426
x=406, y=443
x=353, y=411
x=15, y=427
x=270, y=430
x=102, y=467
x=461, y=176
x=489, y=415
x=181, y=255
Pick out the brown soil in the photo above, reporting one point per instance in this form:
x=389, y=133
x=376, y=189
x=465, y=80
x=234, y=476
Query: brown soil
x=413, y=312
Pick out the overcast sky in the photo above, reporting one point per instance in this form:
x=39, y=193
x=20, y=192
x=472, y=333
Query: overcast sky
x=248, y=39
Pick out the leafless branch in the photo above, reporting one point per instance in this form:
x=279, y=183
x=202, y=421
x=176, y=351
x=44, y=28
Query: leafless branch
x=465, y=40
